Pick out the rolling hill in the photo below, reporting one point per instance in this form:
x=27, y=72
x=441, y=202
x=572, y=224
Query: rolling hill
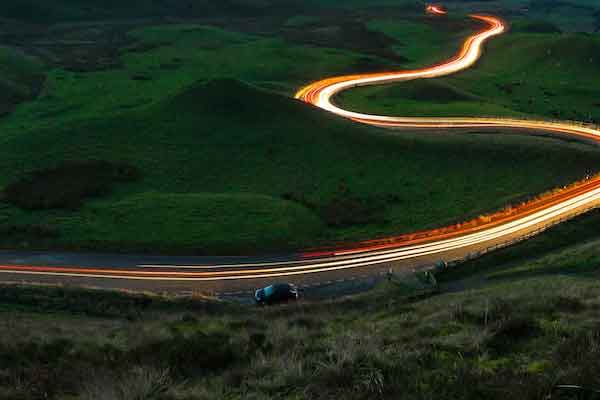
x=225, y=167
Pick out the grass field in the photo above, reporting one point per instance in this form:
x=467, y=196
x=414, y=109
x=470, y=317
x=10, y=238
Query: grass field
x=514, y=323
x=204, y=170
x=226, y=167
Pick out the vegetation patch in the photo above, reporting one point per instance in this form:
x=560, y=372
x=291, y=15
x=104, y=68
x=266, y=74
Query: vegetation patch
x=345, y=209
x=569, y=248
x=505, y=82
x=68, y=184
x=422, y=90
x=198, y=353
x=21, y=79
x=198, y=157
x=24, y=234
x=537, y=27
x=370, y=345
x=508, y=333
x=201, y=223
x=351, y=35
x=189, y=131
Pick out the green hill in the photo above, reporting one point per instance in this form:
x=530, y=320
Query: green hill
x=68, y=10
x=224, y=167
x=212, y=165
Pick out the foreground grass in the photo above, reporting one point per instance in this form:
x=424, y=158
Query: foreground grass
x=507, y=335
x=513, y=323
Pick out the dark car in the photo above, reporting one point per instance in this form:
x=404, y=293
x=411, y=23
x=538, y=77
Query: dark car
x=573, y=392
x=277, y=293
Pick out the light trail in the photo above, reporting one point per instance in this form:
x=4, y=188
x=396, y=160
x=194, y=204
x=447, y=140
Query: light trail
x=511, y=223
x=326, y=265
x=437, y=10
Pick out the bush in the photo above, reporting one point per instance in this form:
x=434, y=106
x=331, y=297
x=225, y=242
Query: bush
x=508, y=332
x=139, y=383
x=348, y=211
x=344, y=209
x=188, y=356
x=37, y=231
x=567, y=304
x=68, y=184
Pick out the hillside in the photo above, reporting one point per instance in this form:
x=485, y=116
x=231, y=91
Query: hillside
x=185, y=131
x=21, y=79
x=70, y=10
x=223, y=167
x=507, y=81
x=517, y=331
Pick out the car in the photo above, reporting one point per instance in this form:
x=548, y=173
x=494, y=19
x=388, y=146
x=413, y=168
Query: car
x=276, y=293
x=569, y=392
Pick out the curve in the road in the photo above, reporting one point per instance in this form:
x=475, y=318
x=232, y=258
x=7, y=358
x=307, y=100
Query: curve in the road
x=506, y=225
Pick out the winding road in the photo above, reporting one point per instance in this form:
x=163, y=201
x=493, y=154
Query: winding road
x=415, y=250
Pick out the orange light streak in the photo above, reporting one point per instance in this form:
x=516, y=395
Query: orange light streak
x=437, y=10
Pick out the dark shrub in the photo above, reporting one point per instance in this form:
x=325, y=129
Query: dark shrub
x=344, y=211
x=29, y=231
x=68, y=184
x=567, y=304
x=305, y=322
x=498, y=310
x=189, y=318
x=188, y=356
x=510, y=331
x=579, y=359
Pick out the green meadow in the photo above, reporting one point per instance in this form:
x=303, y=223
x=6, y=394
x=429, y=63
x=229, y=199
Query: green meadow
x=227, y=163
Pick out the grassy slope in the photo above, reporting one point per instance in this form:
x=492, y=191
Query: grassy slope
x=569, y=249
x=168, y=59
x=421, y=41
x=77, y=10
x=191, y=144
x=516, y=331
x=200, y=144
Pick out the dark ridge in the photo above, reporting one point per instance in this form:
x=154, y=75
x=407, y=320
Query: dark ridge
x=537, y=27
